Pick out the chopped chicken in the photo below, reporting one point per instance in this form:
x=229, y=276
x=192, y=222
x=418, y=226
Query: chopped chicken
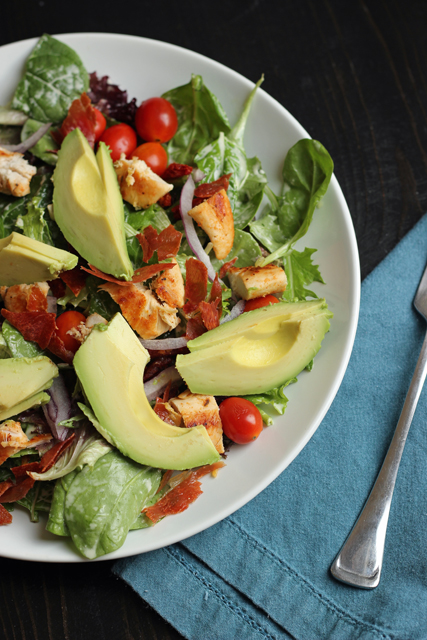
x=169, y=286
x=254, y=282
x=197, y=409
x=15, y=173
x=83, y=329
x=216, y=219
x=26, y=297
x=145, y=313
x=13, y=439
x=139, y=185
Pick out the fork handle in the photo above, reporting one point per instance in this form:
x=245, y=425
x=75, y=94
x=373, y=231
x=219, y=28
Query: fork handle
x=360, y=560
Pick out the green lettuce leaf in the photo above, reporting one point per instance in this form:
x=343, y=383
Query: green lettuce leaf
x=33, y=224
x=201, y=119
x=244, y=247
x=54, y=76
x=276, y=398
x=300, y=272
x=56, y=522
x=38, y=499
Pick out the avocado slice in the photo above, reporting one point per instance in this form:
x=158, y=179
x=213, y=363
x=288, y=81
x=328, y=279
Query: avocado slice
x=88, y=206
x=110, y=365
x=22, y=383
x=25, y=261
x=257, y=351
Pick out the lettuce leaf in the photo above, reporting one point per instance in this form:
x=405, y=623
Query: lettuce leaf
x=276, y=398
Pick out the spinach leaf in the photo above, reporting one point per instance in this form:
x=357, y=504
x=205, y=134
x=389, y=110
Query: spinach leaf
x=244, y=247
x=17, y=345
x=54, y=76
x=307, y=172
x=42, y=149
x=201, y=118
x=56, y=522
x=38, y=499
x=104, y=501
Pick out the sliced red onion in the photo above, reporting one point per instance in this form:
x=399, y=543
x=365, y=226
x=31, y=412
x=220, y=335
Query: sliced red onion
x=51, y=304
x=166, y=344
x=185, y=204
x=155, y=387
x=58, y=408
x=23, y=146
x=236, y=311
x=198, y=175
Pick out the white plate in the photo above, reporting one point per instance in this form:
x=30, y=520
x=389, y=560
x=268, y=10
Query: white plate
x=147, y=68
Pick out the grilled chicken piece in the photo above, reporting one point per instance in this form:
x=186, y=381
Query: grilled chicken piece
x=197, y=409
x=15, y=173
x=139, y=185
x=169, y=286
x=216, y=219
x=26, y=297
x=254, y=282
x=145, y=314
x=13, y=439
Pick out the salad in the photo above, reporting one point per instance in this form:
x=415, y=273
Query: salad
x=201, y=279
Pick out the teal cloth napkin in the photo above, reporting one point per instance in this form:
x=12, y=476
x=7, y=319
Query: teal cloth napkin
x=263, y=573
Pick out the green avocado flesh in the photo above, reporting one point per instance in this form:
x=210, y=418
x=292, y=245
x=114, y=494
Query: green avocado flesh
x=88, y=206
x=25, y=261
x=22, y=383
x=110, y=365
x=257, y=351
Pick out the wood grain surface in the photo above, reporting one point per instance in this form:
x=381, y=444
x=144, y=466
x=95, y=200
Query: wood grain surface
x=354, y=73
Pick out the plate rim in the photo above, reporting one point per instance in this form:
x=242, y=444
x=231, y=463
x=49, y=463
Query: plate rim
x=354, y=304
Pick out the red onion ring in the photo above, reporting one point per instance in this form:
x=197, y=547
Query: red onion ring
x=23, y=146
x=185, y=204
x=198, y=175
x=166, y=344
x=155, y=387
x=236, y=311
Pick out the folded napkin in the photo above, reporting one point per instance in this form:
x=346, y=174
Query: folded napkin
x=263, y=573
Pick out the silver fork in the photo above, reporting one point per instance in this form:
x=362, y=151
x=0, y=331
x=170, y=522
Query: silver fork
x=360, y=560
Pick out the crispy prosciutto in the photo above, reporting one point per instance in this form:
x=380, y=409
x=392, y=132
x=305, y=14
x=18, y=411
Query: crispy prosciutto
x=208, y=189
x=176, y=170
x=11, y=492
x=196, y=284
x=185, y=492
x=201, y=315
x=75, y=279
x=39, y=327
x=226, y=266
x=166, y=243
x=81, y=115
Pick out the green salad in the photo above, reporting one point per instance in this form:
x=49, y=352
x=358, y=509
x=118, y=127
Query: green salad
x=153, y=305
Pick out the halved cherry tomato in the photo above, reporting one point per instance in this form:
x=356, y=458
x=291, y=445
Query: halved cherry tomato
x=156, y=120
x=241, y=420
x=66, y=321
x=262, y=301
x=100, y=124
x=154, y=155
x=121, y=138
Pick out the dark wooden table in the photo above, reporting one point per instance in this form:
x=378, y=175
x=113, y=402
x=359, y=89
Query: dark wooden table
x=355, y=75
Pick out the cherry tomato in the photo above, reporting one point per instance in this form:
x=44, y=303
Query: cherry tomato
x=154, y=155
x=262, y=301
x=241, y=420
x=100, y=124
x=66, y=321
x=156, y=120
x=121, y=138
